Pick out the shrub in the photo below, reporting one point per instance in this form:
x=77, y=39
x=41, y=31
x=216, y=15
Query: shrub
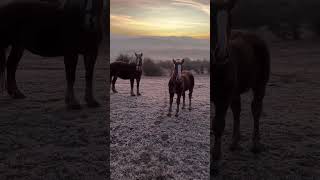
x=198, y=66
x=124, y=58
x=150, y=68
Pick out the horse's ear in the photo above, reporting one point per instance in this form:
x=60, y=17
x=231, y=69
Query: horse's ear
x=136, y=54
x=174, y=61
x=182, y=61
x=141, y=54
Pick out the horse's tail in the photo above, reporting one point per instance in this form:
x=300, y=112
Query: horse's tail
x=2, y=70
x=191, y=80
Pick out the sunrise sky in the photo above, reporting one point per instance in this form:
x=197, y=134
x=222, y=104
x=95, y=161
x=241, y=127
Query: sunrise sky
x=188, y=18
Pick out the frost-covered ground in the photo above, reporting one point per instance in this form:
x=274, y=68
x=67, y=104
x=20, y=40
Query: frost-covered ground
x=40, y=138
x=147, y=144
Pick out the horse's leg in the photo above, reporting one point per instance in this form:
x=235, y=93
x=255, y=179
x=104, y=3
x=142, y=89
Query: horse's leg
x=218, y=127
x=183, y=102
x=115, y=77
x=12, y=65
x=190, y=97
x=256, y=108
x=138, y=84
x=89, y=62
x=111, y=81
x=131, y=83
x=178, y=103
x=236, y=109
x=70, y=62
x=170, y=105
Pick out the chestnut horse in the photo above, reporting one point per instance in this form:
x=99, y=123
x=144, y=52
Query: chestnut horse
x=132, y=70
x=49, y=29
x=241, y=62
x=180, y=81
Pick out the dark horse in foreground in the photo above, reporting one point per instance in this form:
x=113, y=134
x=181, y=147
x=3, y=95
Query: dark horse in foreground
x=180, y=82
x=131, y=70
x=241, y=62
x=50, y=30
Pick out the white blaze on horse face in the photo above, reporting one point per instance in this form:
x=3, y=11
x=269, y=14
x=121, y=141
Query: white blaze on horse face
x=179, y=70
x=138, y=62
x=222, y=23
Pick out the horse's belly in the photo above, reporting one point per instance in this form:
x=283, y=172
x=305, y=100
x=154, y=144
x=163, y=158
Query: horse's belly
x=125, y=76
x=44, y=42
x=45, y=50
x=50, y=38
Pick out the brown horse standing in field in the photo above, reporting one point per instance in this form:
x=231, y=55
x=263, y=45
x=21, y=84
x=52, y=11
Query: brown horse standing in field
x=49, y=29
x=132, y=70
x=179, y=83
x=241, y=62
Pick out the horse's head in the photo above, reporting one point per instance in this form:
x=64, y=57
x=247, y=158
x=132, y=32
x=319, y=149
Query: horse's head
x=93, y=11
x=138, y=61
x=222, y=9
x=177, y=68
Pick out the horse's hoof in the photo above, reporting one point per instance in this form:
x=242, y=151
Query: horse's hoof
x=16, y=94
x=176, y=115
x=93, y=104
x=74, y=106
x=133, y=95
x=257, y=148
x=183, y=107
x=114, y=91
x=169, y=114
x=190, y=108
x=19, y=96
x=138, y=94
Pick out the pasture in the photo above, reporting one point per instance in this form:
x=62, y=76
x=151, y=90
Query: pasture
x=290, y=120
x=147, y=144
x=39, y=137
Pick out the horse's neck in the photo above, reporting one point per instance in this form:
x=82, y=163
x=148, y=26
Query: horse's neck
x=92, y=11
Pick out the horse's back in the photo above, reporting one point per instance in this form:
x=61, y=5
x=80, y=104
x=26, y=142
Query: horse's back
x=262, y=55
x=122, y=69
x=26, y=9
x=43, y=28
x=251, y=54
x=189, y=78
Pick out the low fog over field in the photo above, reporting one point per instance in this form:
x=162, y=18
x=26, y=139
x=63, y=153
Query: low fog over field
x=160, y=48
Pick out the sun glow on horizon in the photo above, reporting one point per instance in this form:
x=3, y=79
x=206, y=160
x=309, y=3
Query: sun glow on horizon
x=187, y=18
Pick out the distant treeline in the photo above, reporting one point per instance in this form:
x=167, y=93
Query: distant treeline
x=164, y=67
x=280, y=16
